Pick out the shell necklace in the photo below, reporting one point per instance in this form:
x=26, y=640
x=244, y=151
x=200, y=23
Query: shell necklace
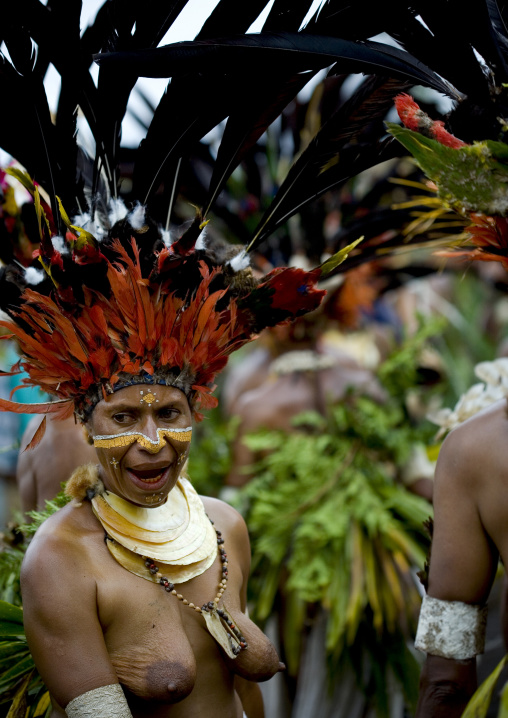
x=171, y=544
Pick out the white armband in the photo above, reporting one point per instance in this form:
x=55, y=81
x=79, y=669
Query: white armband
x=105, y=702
x=451, y=629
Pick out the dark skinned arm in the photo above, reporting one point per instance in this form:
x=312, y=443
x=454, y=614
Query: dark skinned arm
x=463, y=562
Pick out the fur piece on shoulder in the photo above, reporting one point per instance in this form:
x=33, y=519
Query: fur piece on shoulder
x=84, y=483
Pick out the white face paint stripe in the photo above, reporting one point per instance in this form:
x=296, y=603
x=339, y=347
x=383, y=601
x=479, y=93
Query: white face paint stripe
x=103, y=437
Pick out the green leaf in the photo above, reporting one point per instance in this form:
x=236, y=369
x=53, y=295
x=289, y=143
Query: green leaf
x=9, y=648
x=11, y=620
x=38, y=517
x=11, y=630
x=22, y=177
x=43, y=705
x=503, y=703
x=469, y=179
x=478, y=706
x=18, y=670
x=10, y=613
x=311, y=486
x=339, y=257
x=19, y=704
x=12, y=653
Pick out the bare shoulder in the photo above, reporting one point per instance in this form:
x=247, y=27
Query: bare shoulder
x=224, y=515
x=63, y=541
x=257, y=406
x=344, y=377
x=470, y=507
x=478, y=448
x=59, y=580
x=233, y=530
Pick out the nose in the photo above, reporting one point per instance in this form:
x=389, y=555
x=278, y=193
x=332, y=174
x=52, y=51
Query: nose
x=149, y=428
x=150, y=439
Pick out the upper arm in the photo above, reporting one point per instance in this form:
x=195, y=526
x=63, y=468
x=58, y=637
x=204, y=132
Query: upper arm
x=242, y=458
x=61, y=621
x=25, y=473
x=251, y=410
x=25, y=478
x=236, y=536
x=251, y=697
x=463, y=557
x=241, y=537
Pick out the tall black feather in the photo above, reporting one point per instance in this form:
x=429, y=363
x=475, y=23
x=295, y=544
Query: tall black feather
x=257, y=106
x=298, y=51
x=191, y=106
x=335, y=153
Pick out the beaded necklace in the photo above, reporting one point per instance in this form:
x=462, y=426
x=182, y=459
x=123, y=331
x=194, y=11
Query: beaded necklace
x=218, y=621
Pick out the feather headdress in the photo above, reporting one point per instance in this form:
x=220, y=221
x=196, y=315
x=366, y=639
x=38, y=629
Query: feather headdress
x=111, y=314
x=109, y=298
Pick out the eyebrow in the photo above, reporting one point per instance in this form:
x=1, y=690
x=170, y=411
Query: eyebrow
x=161, y=404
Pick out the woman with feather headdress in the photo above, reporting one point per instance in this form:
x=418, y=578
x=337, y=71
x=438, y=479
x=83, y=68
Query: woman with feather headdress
x=134, y=593
x=127, y=326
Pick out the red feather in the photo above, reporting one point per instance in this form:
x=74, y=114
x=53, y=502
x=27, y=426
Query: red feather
x=36, y=438
x=417, y=120
x=62, y=409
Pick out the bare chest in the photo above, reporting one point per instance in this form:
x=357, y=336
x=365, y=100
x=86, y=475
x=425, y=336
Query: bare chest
x=154, y=640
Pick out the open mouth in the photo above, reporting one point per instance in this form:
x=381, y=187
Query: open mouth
x=149, y=476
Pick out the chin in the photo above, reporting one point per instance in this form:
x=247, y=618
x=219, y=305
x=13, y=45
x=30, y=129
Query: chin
x=147, y=494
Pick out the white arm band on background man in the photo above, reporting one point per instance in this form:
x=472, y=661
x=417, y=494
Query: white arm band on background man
x=451, y=629
x=105, y=702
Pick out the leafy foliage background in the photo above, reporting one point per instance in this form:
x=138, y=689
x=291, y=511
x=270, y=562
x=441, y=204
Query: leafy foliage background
x=333, y=530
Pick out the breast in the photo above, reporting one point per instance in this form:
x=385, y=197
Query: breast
x=158, y=670
x=260, y=662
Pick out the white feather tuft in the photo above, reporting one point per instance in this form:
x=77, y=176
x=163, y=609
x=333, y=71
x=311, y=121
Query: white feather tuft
x=84, y=220
x=166, y=237
x=81, y=220
x=117, y=211
x=137, y=216
x=240, y=261
x=59, y=244
x=201, y=241
x=98, y=231
x=33, y=275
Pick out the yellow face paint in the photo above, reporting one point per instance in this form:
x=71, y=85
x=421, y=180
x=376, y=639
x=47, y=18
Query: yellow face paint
x=114, y=441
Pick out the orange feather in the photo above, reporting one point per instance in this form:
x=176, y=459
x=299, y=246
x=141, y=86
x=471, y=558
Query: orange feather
x=36, y=438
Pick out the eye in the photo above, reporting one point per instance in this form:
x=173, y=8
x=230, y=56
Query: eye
x=122, y=417
x=168, y=413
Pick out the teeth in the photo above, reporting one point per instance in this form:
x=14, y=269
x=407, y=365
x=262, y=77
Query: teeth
x=152, y=481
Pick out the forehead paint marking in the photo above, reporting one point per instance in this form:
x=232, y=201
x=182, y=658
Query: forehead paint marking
x=149, y=398
x=114, y=441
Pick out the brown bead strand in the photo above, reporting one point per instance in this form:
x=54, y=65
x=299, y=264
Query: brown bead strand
x=211, y=605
